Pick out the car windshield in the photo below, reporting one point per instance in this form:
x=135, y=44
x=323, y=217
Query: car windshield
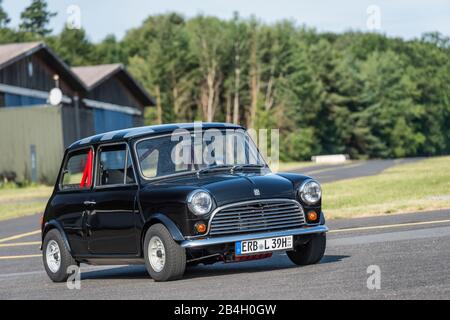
x=199, y=151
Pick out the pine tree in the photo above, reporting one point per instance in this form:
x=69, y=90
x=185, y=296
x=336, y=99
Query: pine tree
x=36, y=17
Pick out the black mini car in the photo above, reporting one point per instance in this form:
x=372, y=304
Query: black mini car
x=176, y=195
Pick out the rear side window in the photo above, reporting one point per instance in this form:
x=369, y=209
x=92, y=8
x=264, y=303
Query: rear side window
x=149, y=164
x=77, y=172
x=114, y=167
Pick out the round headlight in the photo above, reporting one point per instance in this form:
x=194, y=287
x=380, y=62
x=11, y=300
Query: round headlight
x=310, y=192
x=200, y=202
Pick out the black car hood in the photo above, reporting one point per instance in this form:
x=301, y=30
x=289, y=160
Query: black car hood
x=227, y=187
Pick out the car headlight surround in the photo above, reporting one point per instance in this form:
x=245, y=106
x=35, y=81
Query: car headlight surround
x=200, y=202
x=310, y=192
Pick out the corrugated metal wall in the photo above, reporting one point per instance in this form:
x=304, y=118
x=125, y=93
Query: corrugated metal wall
x=69, y=125
x=106, y=120
x=15, y=100
x=25, y=130
x=46, y=131
x=138, y=121
x=94, y=121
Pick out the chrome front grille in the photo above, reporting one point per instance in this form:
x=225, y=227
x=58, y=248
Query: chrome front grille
x=256, y=216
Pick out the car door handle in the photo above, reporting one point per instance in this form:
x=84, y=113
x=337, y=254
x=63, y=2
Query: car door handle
x=90, y=203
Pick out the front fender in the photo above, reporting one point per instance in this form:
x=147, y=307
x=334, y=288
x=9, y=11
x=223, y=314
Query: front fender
x=54, y=224
x=168, y=223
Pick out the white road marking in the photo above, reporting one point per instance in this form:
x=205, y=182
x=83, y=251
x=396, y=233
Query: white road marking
x=32, y=273
x=387, y=226
x=18, y=236
x=391, y=237
x=20, y=244
x=20, y=257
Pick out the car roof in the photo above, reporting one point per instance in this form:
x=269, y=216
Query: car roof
x=127, y=134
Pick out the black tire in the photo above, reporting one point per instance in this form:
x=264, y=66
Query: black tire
x=175, y=256
x=66, y=259
x=311, y=252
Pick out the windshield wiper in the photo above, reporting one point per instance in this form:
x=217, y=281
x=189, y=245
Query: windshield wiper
x=214, y=168
x=247, y=166
x=232, y=168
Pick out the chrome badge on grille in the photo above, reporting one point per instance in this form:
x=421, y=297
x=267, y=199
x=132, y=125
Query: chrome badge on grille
x=256, y=192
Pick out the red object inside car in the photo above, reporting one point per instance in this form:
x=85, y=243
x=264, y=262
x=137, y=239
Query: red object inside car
x=86, y=180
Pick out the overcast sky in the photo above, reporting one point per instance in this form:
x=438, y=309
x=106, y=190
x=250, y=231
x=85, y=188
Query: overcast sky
x=405, y=18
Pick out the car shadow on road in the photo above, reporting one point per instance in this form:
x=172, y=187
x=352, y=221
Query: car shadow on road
x=124, y=272
x=333, y=258
x=277, y=262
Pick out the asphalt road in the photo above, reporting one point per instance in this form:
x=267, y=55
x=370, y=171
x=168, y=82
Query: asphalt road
x=412, y=252
x=334, y=172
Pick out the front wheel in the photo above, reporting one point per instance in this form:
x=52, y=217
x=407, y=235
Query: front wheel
x=164, y=258
x=311, y=252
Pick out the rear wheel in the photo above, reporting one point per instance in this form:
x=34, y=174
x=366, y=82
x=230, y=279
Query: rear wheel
x=56, y=256
x=311, y=252
x=164, y=258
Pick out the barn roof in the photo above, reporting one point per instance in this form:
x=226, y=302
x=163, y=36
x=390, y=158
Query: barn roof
x=13, y=52
x=93, y=76
x=126, y=134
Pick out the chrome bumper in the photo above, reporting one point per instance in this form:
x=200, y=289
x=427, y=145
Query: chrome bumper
x=195, y=243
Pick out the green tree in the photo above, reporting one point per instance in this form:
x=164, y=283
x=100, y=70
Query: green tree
x=210, y=45
x=164, y=65
x=236, y=70
x=109, y=51
x=390, y=112
x=74, y=47
x=36, y=17
x=4, y=18
x=299, y=100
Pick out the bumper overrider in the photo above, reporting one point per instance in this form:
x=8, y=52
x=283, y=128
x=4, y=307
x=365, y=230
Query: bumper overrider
x=209, y=241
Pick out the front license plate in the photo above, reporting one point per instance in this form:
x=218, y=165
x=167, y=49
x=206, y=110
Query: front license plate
x=264, y=245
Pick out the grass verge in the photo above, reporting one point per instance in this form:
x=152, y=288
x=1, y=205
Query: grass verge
x=286, y=166
x=419, y=186
x=19, y=202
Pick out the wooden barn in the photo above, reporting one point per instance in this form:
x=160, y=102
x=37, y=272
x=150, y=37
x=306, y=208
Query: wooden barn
x=117, y=100
x=27, y=73
x=33, y=133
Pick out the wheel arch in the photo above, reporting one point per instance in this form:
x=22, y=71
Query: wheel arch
x=167, y=222
x=53, y=224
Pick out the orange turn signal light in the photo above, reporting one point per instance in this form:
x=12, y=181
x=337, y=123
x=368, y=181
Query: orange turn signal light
x=200, y=227
x=311, y=216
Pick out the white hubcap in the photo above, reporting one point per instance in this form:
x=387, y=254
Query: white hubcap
x=53, y=256
x=156, y=254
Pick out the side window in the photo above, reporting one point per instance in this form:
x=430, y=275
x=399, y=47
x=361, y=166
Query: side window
x=149, y=164
x=77, y=172
x=114, y=166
